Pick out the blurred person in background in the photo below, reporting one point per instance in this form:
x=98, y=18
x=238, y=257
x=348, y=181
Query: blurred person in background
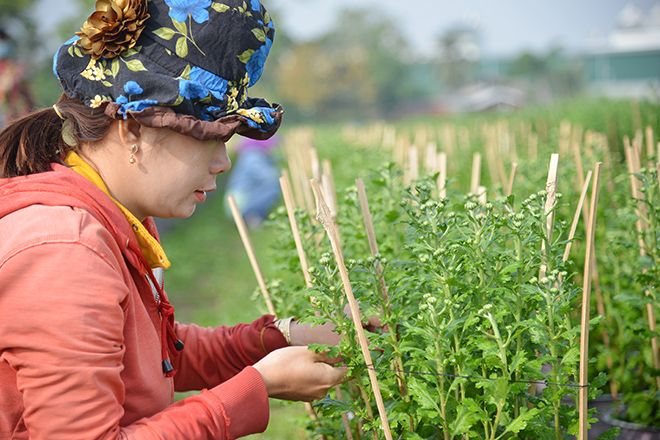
x=254, y=180
x=15, y=95
x=89, y=347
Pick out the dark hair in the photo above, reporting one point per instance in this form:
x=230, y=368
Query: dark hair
x=30, y=144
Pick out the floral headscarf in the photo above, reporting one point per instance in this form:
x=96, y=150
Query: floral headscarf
x=181, y=64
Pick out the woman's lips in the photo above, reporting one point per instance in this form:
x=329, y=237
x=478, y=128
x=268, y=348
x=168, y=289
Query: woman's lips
x=201, y=196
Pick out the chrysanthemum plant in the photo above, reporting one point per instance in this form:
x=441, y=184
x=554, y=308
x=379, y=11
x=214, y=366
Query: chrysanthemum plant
x=479, y=337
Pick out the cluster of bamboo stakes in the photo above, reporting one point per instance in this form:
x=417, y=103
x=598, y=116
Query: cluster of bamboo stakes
x=309, y=184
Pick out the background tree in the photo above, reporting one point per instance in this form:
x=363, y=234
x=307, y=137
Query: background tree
x=458, y=53
x=548, y=76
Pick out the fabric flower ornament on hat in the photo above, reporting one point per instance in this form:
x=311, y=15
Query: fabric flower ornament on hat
x=192, y=62
x=113, y=28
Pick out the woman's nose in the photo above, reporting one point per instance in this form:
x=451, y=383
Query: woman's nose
x=220, y=163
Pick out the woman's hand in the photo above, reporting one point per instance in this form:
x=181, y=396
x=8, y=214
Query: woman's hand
x=304, y=334
x=296, y=373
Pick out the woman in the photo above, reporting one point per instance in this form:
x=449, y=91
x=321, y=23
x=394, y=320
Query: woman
x=89, y=348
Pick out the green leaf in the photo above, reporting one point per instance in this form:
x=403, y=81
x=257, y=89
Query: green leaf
x=114, y=67
x=245, y=56
x=259, y=33
x=518, y=359
x=78, y=52
x=477, y=412
x=165, y=33
x=182, y=47
x=521, y=421
x=337, y=406
x=181, y=27
x=420, y=391
x=220, y=7
x=106, y=83
x=610, y=434
x=572, y=356
x=129, y=52
x=135, y=65
x=178, y=101
x=186, y=72
x=70, y=50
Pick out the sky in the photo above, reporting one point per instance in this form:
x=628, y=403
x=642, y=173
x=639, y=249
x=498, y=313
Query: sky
x=506, y=27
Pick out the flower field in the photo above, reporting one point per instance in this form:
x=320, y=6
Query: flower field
x=485, y=245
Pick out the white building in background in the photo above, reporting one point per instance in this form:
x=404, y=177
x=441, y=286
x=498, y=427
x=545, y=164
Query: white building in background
x=627, y=62
x=637, y=30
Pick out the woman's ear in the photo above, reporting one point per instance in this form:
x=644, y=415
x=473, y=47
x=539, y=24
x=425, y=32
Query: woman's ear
x=130, y=131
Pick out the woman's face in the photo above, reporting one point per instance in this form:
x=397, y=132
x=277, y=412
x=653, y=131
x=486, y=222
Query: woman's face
x=172, y=173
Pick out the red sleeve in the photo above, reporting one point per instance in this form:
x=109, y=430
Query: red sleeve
x=63, y=303
x=213, y=355
x=236, y=408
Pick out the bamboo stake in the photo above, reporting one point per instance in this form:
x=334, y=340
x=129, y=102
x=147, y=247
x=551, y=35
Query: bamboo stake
x=413, y=164
x=586, y=294
x=532, y=148
x=649, y=142
x=442, y=175
x=482, y=195
x=303, y=176
x=600, y=306
x=328, y=182
x=577, y=155
x=290, y=209
x=323, y=216
x=476, y=173
x=430, y=158
x=373, y=246
x=551, y=189
x=238, y=219
x=576, y=218
x=512, y=175
x=488, y=135
x=293, y=171
x=315, y=164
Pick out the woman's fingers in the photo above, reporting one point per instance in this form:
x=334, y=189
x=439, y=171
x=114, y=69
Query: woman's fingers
x=296, y=373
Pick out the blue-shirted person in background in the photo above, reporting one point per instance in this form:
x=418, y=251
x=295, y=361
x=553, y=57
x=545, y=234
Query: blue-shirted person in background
x=254, y=180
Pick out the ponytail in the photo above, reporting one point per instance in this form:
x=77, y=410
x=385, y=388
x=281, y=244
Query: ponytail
x=31, y=144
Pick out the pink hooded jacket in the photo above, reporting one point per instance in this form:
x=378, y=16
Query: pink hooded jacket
x=81, y=339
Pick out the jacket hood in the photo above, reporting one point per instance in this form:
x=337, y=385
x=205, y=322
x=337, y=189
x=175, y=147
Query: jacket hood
x=64, y=187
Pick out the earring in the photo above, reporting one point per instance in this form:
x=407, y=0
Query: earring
x=134, y=149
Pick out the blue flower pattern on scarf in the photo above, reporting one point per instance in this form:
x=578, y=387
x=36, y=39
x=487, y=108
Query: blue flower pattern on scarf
x=181, y=9
x=215, y=85
x=255, y=65
x=132, y=88
x=192, y=89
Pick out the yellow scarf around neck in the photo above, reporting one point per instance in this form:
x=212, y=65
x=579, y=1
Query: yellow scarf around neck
x=151, y=248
